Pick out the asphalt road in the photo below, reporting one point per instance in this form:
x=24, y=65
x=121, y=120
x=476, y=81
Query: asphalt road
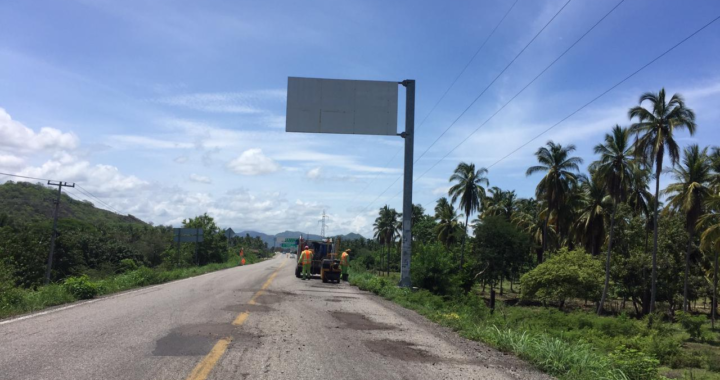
x=253, y=322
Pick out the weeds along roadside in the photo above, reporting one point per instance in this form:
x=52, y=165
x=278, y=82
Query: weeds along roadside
x=552, y=351
x=19, y=301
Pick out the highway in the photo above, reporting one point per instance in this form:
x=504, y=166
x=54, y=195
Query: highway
x=252, y=322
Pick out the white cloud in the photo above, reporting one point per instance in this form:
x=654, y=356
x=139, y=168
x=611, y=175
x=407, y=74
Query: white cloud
x=336, y=160
x=8, y=161
x=441, y=190
x=226, y=102
x=101, y=180
x=181, y=159
x=314, y=173
x=198, y=178
x=253, y=162
x=17, y=138
x=131, y=141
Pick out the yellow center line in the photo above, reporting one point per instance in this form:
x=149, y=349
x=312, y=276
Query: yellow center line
x=241, y=318
x=202, y=369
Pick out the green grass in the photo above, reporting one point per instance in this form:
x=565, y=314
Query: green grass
x=18, y=301
x=568, y=345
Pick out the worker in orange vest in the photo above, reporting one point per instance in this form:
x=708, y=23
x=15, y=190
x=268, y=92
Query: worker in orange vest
x=306, y=261
x=345, y=264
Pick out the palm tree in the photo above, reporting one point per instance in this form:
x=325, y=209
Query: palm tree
x=710, y=239
x=448, y=226
x=654, y=131
x=715, y=163
x=387, y=227
x=560, y=174
x=688, y=195
x=590, y=224
x=615, y=170
x=639, y=196
x=418, y=211
x=468, y=189
x=499, y=203
x=529, y=217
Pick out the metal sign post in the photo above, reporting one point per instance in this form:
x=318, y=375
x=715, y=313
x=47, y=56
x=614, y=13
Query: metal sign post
x=358, y=107
x=409, y=137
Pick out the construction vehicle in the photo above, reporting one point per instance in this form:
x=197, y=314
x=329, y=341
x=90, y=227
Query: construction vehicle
x=325, y=262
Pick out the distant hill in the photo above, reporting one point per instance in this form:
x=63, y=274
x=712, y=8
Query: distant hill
x=27, y=202
x=270, y=239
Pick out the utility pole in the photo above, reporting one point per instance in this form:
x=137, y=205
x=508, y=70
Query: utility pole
x=54, y=227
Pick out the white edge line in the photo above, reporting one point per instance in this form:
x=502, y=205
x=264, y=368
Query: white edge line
x=76, y=304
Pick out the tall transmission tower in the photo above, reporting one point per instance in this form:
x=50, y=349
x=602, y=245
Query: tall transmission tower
x=323, y=225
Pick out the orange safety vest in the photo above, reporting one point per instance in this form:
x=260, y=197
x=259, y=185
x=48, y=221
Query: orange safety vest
x=344, y=258
x=306, y=257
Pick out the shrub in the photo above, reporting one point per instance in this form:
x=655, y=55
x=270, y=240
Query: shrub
x=127, y=265
x=620, y=326
x=664, y=348
x=567, y=274
x=433, y=269
x=144, y=276
x=11, y=297
x=691, y=324
x=80, y=287
x=634, y=364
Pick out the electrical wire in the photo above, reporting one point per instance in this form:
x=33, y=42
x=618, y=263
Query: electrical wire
x=442, y=97
x=477, y=97
x=78, y=187
x=87, y=193
x=643, y=67
x=26, y=177
x=511, y=99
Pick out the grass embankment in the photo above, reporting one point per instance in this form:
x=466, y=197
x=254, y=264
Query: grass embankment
x=18, y=301
x=569, y=345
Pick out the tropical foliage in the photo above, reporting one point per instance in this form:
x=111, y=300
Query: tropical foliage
x=596, y=237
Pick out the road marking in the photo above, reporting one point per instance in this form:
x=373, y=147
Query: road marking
x=252, y=300
x=202, y=370
x=241, y=318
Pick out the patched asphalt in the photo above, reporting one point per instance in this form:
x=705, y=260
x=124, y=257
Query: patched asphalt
x=294, y=330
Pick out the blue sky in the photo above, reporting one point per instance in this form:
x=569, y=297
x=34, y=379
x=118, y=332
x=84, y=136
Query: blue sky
x=167, y=109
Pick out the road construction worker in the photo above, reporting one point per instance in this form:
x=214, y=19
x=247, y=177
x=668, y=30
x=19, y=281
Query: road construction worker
x=345, y=264
x=306, y=261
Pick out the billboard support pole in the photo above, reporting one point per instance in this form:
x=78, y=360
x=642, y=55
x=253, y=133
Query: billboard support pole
x=409, y=137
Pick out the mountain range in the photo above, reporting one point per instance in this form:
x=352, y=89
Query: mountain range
x=271, y=239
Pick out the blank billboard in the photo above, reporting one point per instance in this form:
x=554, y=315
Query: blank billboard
x=341, y=106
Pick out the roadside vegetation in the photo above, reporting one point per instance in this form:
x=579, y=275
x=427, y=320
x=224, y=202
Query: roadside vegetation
x=97, y=254
x=601, y=275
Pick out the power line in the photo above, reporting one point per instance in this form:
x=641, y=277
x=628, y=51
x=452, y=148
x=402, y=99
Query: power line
x=513, y=98
x=595, y=98
x=493, y=81
x=77, y=187
x=26, y=177
x=481, y=93
x=608, y=90
x=524, y=88
x=446, y=91
x=98, y=199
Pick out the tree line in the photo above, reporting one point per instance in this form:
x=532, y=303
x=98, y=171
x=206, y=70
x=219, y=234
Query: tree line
x=101, y=249
x=653, y=246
